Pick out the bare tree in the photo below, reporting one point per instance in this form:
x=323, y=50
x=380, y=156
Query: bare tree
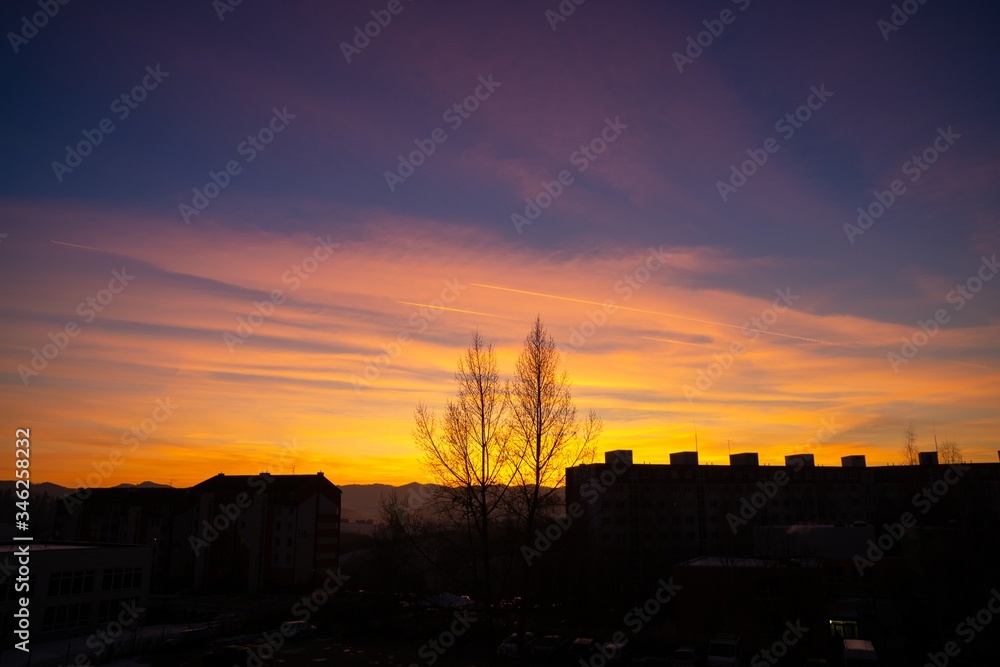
x=950, y=452
x=545, y=425
x=469, y=454
x=396, y=545
x=910, y=455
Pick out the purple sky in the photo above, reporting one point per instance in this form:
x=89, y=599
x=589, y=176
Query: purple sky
x=646, y=141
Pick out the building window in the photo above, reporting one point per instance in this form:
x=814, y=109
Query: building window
x=844, y=629
x=65, y=616
x=767, y=588
x=108, y=610
x=71, y=583
x=122, y=578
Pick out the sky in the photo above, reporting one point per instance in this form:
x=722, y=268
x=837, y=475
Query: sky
x=248, y=237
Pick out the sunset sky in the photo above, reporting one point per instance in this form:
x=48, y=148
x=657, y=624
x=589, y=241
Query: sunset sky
x=359, y=290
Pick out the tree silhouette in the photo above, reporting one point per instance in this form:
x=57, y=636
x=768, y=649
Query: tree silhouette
x=949, y=452
x=470, y=456
x=545, y=425
x=910, y=455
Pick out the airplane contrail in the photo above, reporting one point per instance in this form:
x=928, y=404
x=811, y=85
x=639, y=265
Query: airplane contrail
x=455, y=310
x=654, y=312
x=671, y=340
x=85, y=247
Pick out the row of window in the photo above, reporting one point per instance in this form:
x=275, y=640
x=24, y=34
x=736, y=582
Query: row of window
x=77, y=614
x=796, y=501
x=66, y=616
x=80, y=582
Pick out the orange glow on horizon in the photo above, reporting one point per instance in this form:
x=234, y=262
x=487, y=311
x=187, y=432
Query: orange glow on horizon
x=331, y=370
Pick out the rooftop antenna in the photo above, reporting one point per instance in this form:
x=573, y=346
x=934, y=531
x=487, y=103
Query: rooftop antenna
x=935, y=435
x=696, y=438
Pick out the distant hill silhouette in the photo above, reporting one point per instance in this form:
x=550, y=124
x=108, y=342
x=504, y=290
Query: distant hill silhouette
x=361, y=501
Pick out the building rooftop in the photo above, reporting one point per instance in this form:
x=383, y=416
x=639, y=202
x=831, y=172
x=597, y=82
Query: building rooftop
x=237, y=483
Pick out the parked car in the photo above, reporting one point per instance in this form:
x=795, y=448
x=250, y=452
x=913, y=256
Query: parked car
x=508, y=647
x=297, y=629
x=685, y=656
x=549, y=646
x=617, y=654
x=724, y=651
x=859, y=653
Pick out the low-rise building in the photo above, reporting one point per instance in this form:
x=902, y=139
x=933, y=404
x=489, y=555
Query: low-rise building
x=74, y=588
